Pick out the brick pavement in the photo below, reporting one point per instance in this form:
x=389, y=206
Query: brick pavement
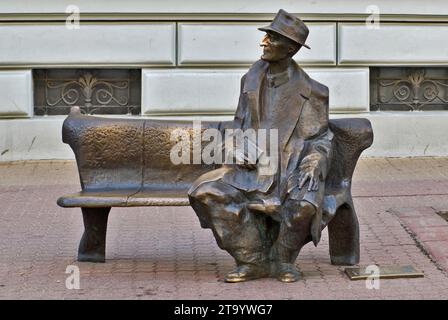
x=162, y=253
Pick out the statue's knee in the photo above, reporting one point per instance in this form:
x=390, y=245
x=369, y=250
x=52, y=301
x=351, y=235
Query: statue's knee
x=303, y=213
x=199, y=191
x=203, y=192
x=195, y=194
x=217, y=201
x=216, y=192
x=307, y=209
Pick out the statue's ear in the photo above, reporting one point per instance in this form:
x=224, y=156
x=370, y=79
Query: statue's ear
x=294, y=48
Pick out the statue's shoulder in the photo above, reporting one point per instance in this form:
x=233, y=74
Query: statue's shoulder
x=258, y=66
x=254, y=73
x=318, y=90
x=318, y=93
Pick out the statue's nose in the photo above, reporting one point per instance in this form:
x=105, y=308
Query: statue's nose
x=265, y=41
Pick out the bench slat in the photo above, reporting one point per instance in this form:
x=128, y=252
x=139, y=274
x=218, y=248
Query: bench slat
x=121, y=198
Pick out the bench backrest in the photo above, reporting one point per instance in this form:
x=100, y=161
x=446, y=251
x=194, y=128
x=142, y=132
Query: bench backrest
x=116, y=153
x=130, y=154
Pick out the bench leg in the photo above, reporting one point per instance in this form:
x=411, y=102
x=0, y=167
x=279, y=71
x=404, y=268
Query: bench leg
x=343, y=231
x=93, y=242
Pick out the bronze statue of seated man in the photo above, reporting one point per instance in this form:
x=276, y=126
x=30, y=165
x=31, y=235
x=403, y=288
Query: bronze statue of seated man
x=263, y=220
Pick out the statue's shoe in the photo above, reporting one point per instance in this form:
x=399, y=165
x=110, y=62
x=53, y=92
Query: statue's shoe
x=246, y=272
x=287, y=272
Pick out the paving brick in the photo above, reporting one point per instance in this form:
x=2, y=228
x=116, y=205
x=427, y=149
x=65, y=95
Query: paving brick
x=421, y=222
x=438, y=249
x=438, y=233
x=162, y=253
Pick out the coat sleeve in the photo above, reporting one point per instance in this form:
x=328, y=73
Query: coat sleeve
x=237, y=123
x=319, y=154
x=320, y=143
x=238, y=120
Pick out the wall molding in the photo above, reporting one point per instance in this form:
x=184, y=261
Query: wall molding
x=214, y=17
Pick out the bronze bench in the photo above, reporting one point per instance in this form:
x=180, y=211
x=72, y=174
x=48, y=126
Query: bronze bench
x=126, y=163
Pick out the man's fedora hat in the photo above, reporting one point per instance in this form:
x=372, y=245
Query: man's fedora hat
x=289, y=26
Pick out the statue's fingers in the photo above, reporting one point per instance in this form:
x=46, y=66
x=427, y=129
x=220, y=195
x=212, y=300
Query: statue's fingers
x=316, y=185
x=288, y=223
x=251, y=166
x=300, y=178
x=303, y=180
x=311, y=184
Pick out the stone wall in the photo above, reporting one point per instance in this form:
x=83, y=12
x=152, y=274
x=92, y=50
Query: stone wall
x=193, y=53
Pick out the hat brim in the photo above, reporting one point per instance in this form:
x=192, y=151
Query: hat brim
x=269, y=28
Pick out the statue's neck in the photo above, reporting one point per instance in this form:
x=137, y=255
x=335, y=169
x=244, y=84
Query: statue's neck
x=279, y=66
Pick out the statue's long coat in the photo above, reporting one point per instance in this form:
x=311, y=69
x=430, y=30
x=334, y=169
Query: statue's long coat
x=304, y=137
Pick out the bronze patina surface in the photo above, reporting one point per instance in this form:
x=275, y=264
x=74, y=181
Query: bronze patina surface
x=261, y=220
x=151, y=179
x=264, y=220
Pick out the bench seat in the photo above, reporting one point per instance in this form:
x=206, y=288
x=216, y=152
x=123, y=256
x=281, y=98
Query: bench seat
x=124, y=198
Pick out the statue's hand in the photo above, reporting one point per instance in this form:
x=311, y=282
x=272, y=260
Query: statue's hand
x=242, y=155
x=248, y=166
x=244, y=160
x=309, y=171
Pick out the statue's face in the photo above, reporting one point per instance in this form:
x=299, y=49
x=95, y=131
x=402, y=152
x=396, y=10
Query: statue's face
x=275, y=47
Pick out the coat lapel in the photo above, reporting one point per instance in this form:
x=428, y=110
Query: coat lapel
x=251, y=90
x=298, y=92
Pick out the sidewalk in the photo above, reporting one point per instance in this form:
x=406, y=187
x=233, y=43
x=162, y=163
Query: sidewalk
x=162, y=253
